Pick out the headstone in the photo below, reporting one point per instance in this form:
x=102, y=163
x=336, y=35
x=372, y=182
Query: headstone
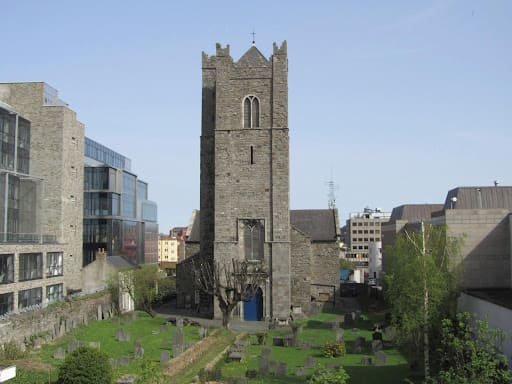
x=179, y=322
x=134, y=315
x=115, y=320
x=390, y=333
x=36, y=343
x=380, y=358
x=333, y=365
x=60, y=353
x=165, y=356
x=100, y=313
x=340, y=335
x=127, y=320
x=272, y=366
x=300, y=372
x=376, y=345
x=278, y=341
x=359, y=344
x=73, y=345
x=119, y=334
x=122, y=361
x=235, y=355
x=366, y=360
x=138, y=351
x=309, y=362
x=62, y=329
x=125, y=336
x=202, y=332
x=348, y=320
x=377, y=335
x=265, y=354
x=94, y=344
x=263, y=365
x=289, y=340
x=282, y=368
x=126, y=379
x=113, y=363
x=172, y=320
x=357, y=316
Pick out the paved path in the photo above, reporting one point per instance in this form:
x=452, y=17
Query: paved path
x=169, y=309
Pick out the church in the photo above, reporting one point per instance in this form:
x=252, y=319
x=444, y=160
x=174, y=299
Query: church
x=245, y=192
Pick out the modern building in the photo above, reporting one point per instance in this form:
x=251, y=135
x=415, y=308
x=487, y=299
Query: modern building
x=118, y=217
x=169, y=250
x=244, y=197
x=362, y=230
x=41, y=189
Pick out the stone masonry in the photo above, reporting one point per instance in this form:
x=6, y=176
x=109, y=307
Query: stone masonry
x=245, y=171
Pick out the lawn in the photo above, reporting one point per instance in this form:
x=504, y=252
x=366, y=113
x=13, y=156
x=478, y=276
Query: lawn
x=144, y=329
x=314, y=332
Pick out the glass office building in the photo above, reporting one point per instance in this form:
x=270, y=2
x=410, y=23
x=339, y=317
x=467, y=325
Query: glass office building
x=118, y=217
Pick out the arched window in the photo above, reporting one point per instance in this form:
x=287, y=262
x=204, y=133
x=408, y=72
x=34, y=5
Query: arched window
x=251, y=107
x=253, y=239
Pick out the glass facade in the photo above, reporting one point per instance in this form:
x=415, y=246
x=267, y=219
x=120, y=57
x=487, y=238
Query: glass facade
x=14, y=140
x=118, y=218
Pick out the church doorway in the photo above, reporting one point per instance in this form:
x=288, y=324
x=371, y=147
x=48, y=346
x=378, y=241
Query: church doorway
x=253, y=307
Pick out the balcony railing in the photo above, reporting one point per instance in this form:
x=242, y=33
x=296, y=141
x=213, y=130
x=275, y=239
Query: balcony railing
x=27, y=238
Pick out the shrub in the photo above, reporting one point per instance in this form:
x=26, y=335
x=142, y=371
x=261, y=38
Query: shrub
x=333, y=349
x=11, y=351
x=261, y=337
x=86, y=366
x=329, y=376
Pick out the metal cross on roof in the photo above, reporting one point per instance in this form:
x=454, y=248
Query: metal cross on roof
x=253, y=37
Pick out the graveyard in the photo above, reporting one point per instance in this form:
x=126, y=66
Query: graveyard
x=141, y=347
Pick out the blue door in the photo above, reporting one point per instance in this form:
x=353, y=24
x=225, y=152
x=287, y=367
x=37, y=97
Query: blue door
x=253, y=307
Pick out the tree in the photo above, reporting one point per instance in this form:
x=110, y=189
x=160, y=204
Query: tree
x=421, y=285
x=86, y=366
x=143, y=284
x=229, y=282
x=470, y=352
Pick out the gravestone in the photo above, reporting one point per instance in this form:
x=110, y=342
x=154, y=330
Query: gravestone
x=134, y=316
x=179, y=322
x=127, y=320
x=357, y=315
x=265, y=353
x=303, y=344
x=60, y=353
x=73, y=345
x=278, y=341
x=122, y=361
x=94, y=344
x=119, y=334
x=263, y=365
x=333, y=365
x=272, y=366
x=300, y=372
x=138, y=351
x=125, y=336
x=235, y=355
x=376, y=345
x=100, y=313
x=62, y=329
x=390, y=333
x=380, y=358
x=165, y=356
x=377, y=335
x=126, y=379
x=115, y=320
x=202, y=332
x=359, y=344
x=282, y=368
x=348, y=319
x=366, y=360
x=340, y=335
x=309, y=362
x=178, y=345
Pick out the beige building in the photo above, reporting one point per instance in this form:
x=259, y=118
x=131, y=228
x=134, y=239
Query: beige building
x=169, y=250
x=41, y=192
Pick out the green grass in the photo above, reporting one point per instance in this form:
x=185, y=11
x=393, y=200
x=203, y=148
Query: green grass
x=104, y=331
x=395, y=370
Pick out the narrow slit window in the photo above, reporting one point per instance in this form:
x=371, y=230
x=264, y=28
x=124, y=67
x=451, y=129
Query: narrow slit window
x=252, y=154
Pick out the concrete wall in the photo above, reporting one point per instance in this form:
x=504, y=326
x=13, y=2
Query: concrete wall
x=485, y=254
x=495, y=315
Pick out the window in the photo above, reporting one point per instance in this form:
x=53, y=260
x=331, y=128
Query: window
x=30, y=297
x=251, y=108
x=252, y=154
x=54, y=264
x=6, y=303
x=31, y=266
x=253, y=239
x=6, y=268
x=54, y=293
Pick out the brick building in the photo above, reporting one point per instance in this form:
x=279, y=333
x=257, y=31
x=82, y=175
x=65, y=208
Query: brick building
x=245, y=177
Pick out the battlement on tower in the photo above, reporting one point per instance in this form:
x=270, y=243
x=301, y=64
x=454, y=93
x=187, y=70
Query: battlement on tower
x=283, y=50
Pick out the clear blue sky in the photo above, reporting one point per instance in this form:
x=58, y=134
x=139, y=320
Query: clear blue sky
x=398, y=100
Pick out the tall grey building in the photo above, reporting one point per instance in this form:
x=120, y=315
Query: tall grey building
x=245, y=166
x=41, y=189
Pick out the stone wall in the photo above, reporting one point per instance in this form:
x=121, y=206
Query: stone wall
x=54, y=321
x=325, y=269
x=301, y=270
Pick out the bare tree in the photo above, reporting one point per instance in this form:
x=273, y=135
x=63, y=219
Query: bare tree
x=230, y=282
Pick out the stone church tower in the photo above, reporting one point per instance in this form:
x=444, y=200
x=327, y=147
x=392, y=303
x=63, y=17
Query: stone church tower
x=245, y=167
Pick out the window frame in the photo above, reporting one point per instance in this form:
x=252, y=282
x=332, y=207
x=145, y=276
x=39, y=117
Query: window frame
x=53, y=268
x=253, y=111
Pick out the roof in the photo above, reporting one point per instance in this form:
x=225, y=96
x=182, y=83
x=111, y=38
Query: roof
x=490, y=197
x=253, y=58
x=498, y=296
x=119, y=262
x=318, y=224
x=414, y=212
